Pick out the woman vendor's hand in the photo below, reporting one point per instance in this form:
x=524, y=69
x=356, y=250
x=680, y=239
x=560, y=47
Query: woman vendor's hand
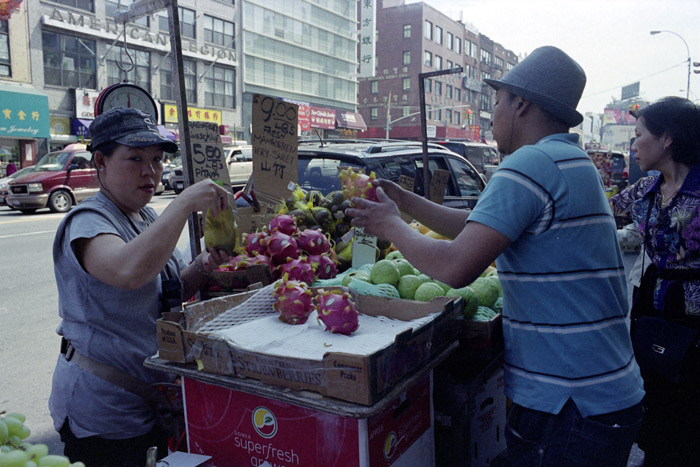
x=377, y=218
x=205, y=195
x=211, y=258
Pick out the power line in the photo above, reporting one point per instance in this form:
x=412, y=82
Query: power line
x=684, y=63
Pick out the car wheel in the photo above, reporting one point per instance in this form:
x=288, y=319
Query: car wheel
x=27, y=211
x=60, y=201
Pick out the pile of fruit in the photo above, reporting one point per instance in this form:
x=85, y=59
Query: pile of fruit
x=16, y=452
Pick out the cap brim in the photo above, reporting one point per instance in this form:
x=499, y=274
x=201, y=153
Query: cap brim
x=147, y=138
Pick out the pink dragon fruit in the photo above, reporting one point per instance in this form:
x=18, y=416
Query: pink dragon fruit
x=240, y=262
x=337, y=312
x=260, y=259
x=323, y=265
x=283, y=223
x=293, y=301
x=357, y=184
x=281, y=246
x=297, y=269
x=313, y=242
x=254, y=243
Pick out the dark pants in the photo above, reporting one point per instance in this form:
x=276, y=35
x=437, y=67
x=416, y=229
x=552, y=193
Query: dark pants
x=94, y=451
x=537, y=438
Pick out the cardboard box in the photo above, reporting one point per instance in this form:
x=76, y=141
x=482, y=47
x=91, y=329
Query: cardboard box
x=483, y=335
x=237, y=428
x=362, y=379
x=470, y=414
x=240, y=280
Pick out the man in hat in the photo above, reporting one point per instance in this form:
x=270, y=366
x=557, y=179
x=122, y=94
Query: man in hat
x=544, y=218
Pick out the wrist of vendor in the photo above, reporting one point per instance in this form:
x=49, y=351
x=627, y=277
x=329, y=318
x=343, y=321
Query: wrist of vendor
x=199, y=266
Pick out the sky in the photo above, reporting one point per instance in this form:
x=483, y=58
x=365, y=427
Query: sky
x=609, y=38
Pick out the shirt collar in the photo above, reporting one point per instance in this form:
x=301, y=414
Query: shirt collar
x=691, y=184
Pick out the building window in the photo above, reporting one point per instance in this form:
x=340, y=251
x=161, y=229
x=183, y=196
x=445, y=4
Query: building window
x=458, y=45
x=140, y=74
x=438, y=35
x=498, y=61
x=448, y=91
x=405, y=111
x=450, y=41
x=88, y=5
x=168, y=77
x=458, y=94
x=187, y=22
x=374, y=113
x=449, y=64
x=470, y=49
x=428, y=59
x=509, y=66
x=374, y=87
x=406, y=31
x=406, y=84
x=448, y=116
x=407, y=57
x=485, y=75
x=219, y=86
x=456, y=117
x=114, y=6
x=438, y=114
x=438, y=88
x=485, y=56
x=485, y=103
x=5, y=63
x=438, y=62
x=428, y=30
x=218, y=31
x=69, y=61
x=428, y=85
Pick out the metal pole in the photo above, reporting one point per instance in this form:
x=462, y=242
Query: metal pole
x=388, y=116
x=687, y=50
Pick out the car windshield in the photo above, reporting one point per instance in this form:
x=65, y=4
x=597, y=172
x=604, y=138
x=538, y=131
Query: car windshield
x=53, y=161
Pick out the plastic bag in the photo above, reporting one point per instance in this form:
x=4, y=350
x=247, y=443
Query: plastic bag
x=221, y=232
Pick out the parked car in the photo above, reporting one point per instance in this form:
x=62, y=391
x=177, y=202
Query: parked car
x=319, y=163
x=167, y=168
x=239, y=160
x=484, y=157
x=58, y=181
x=6, y=180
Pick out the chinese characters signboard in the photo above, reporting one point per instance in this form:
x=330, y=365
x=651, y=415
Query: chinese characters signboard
x=23, y=113
x=368, y=57
x=194, y=114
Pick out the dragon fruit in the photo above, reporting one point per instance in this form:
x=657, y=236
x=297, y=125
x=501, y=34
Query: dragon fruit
x=254, y=243
x=323, y=265
x=281, y=246
x=357, y=184
x=260, y=259
x=297, y=269
x=284, y=223
x=337, y=312
x=240, y=262
x=313, y=242
x=293, y=301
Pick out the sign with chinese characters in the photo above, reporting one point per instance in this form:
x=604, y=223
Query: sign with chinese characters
x=207, y=154
x=368, y=56
x=275, y=157
x=194, y=114
x=85, y=103
x=322, y=118
x=24, y=113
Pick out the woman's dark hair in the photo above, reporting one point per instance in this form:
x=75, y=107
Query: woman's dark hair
x=679, y=118
x=106, y=148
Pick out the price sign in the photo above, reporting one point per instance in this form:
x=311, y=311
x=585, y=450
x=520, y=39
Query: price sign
x=438, y=182
x=364, y=248
x=275, y=156
x=207, y=153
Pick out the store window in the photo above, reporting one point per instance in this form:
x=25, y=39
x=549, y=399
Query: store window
x=5, y=64
x=219, y=85
x=218, y=31
x=168, y=77
x=114, y=6
x=88, y=5
x=407, y=57
x=406, y=31
x=118, y=61
x=187, y=22
x=68, y=61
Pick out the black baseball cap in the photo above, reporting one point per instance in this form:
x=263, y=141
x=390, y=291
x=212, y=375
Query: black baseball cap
x=130, y=127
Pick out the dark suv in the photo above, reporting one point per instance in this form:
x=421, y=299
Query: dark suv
x=319, y=162
x=484, y=157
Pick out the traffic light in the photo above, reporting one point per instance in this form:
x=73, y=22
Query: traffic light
x=634, y=107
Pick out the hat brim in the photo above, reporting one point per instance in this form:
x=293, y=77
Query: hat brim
x=563, y=112
x=147, y=138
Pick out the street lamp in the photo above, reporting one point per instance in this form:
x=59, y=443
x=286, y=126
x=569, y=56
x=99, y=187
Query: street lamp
x=687, y=89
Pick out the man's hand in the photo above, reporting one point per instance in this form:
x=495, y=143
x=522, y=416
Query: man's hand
x=377, y=218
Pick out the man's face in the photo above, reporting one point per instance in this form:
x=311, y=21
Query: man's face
x=502, y=121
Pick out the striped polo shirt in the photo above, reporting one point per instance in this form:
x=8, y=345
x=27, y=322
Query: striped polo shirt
x=564, y=288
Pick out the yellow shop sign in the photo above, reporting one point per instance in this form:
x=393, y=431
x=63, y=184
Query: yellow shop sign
x=194, y=114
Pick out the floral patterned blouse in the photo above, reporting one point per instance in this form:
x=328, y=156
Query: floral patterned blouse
x=674, y=230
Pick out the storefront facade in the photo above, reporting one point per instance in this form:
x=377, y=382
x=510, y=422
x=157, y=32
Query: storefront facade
x=24, y=121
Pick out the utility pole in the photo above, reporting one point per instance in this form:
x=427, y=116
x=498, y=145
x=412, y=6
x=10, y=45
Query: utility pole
x=388, y=116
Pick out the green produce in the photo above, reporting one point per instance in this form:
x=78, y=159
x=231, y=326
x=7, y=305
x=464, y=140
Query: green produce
x=444, y=286
x=427, y=291
x=498, y=306
x=359, y=275
x=408, y=285
x=486, y=291
x=392, y=255
x=385, y=271
x=471, y=301
x=484, y=313
x=497, y=283
x=424, y=277
x=404, y=266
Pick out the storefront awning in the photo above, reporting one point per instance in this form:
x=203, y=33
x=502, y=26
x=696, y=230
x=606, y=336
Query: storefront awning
x=167, y=133
x=351, y=120
x=24, y=112
x=81, y=127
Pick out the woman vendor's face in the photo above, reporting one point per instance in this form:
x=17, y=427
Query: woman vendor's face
x=131, y=175
x=650, y=150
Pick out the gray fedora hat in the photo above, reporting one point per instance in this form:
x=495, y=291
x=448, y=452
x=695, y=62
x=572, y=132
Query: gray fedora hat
x=549, y=78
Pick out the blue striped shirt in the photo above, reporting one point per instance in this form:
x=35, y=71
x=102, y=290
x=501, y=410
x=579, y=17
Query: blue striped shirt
x=564, y=288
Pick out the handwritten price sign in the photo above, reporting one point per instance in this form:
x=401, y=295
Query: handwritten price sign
x=275, y=157
x=207, y=154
